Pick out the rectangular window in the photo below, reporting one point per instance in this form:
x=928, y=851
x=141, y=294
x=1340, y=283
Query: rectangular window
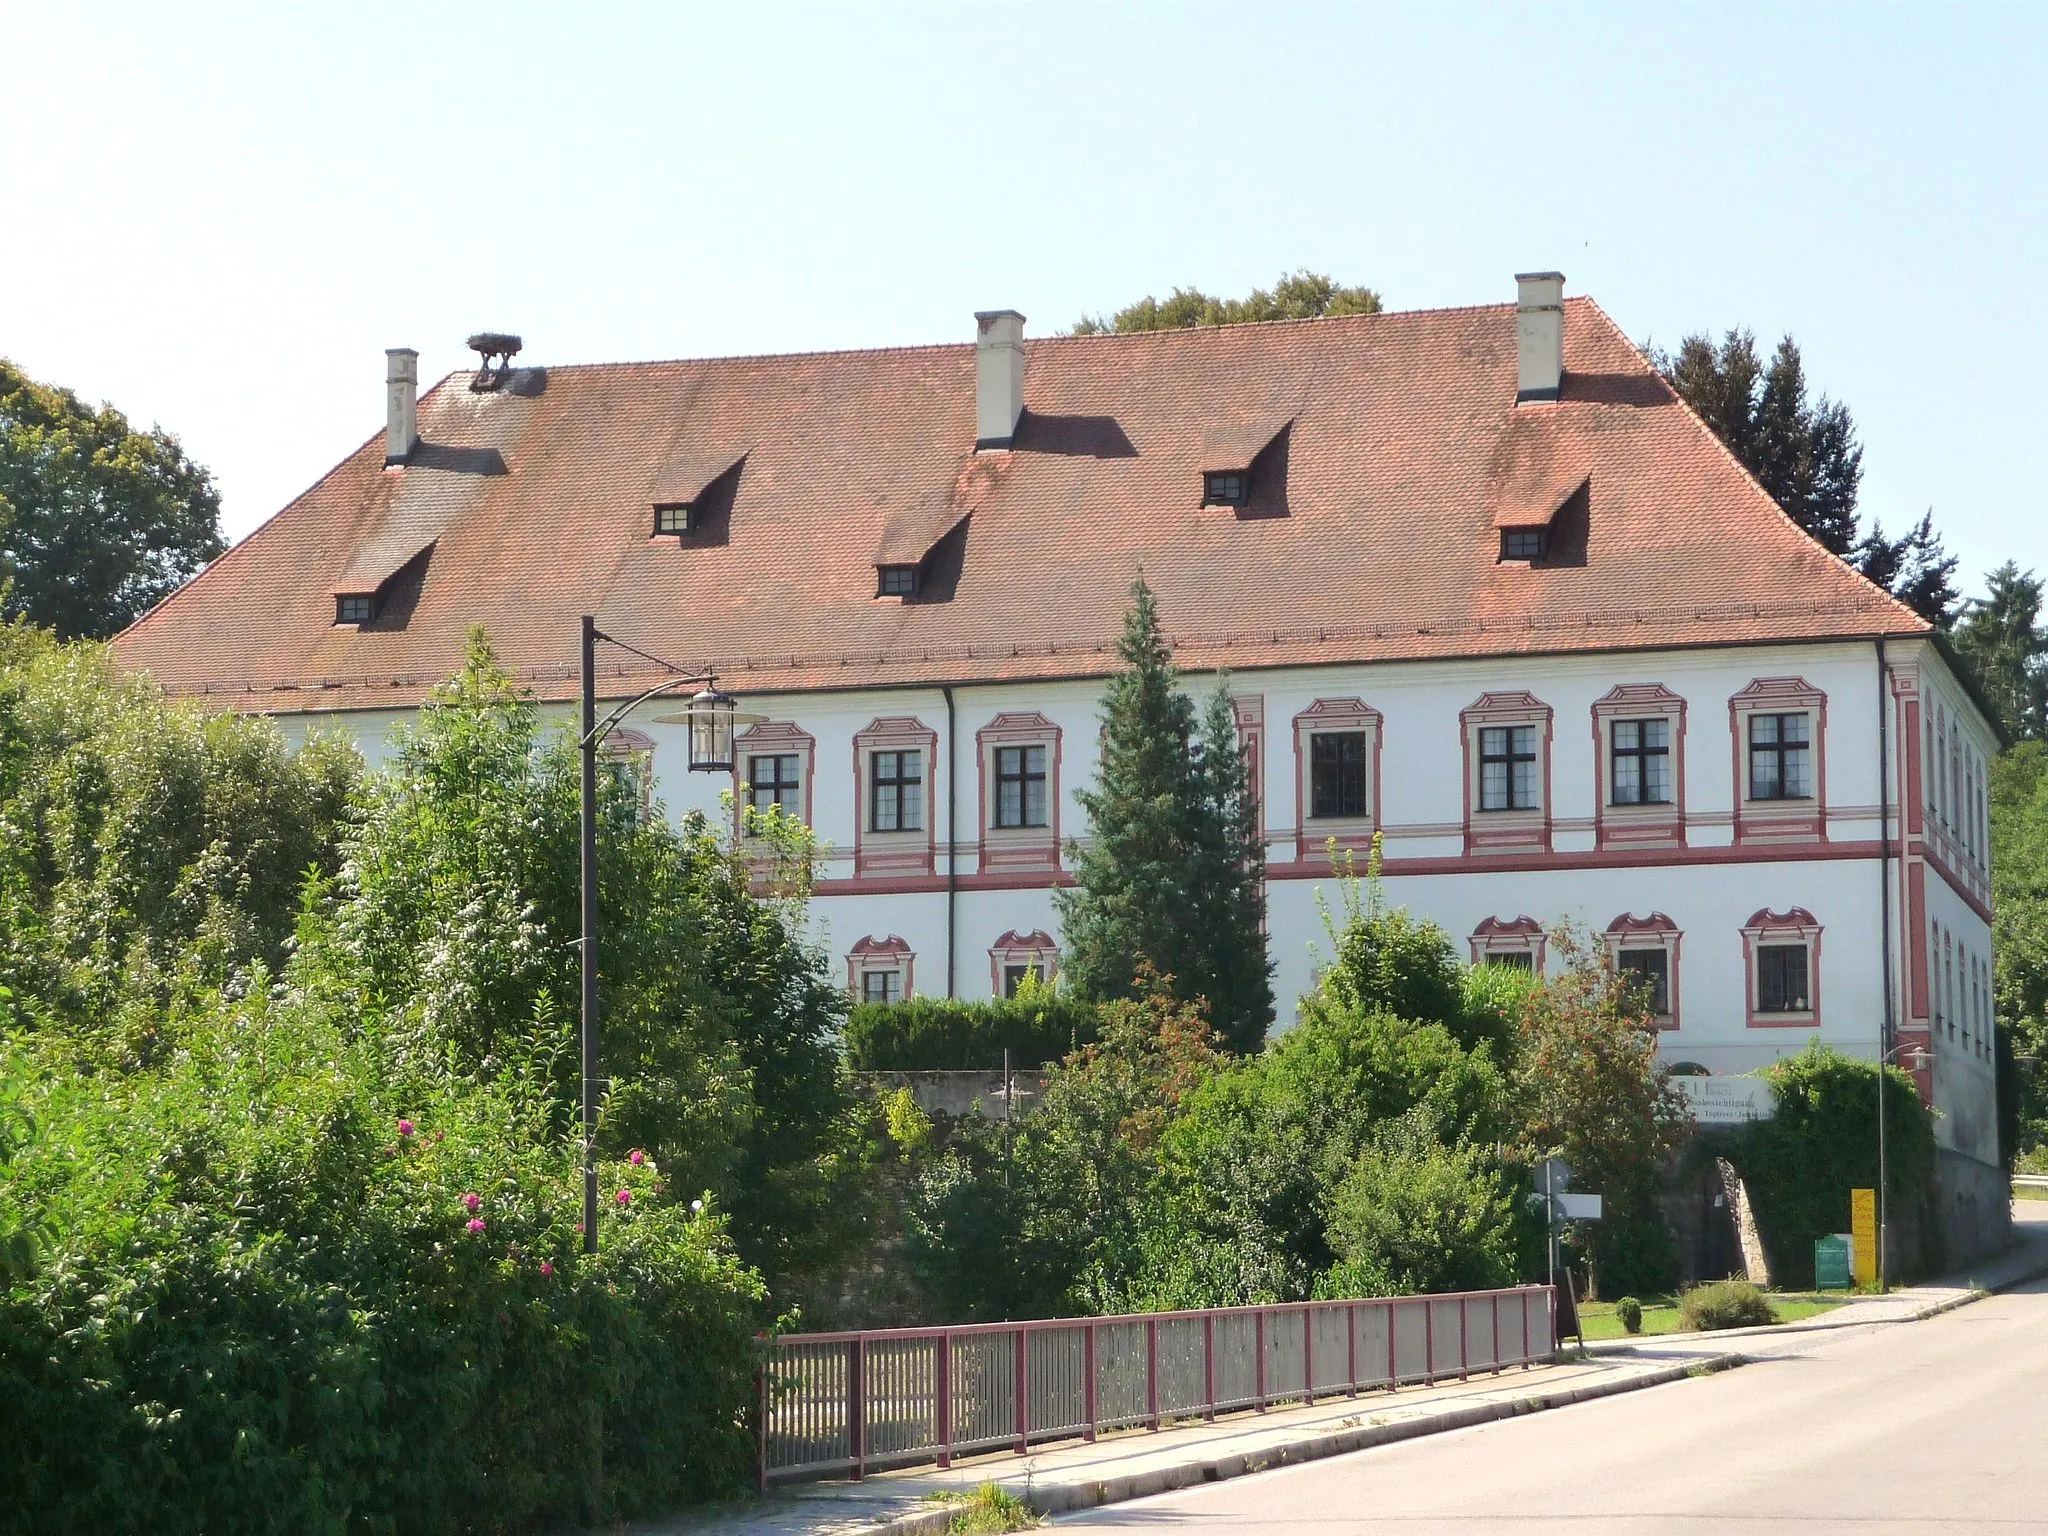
x=1650, y=970
x=1225, y=488
x=355, y=608
x=896, y=792
x=1781, y=979
x=1507, y=768
x=1336, y=774
x=1640, y=766
x=1780, y=757
x=896, y=580
x=1513, y=959
x=772, y=781
x=674, y=518
x=1521, y=543
x=881, y=986
x=1020, y=787
x=1014, y=974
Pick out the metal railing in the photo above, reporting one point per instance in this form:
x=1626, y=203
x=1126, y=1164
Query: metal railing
x=834, y=1403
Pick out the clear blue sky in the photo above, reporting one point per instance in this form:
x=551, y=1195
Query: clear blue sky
x=219, y=218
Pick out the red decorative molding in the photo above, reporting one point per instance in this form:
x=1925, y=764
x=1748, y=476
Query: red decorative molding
x=1778, y=927
x=1314, y=834
x=1779, y=821
x=1034, y=948
x=1512, y=831
x=1017, y=848
x=1516, y=936
x=773, y=737
x=1637, y=826
x=1250, y=710
x=873, y=954
x=1657, y=931
x=894, y=853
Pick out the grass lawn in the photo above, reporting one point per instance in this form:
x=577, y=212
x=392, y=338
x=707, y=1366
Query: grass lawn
x=1660, y=1313
x=2028, y=1192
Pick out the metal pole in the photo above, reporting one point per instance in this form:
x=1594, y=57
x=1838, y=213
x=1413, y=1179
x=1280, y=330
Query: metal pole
x=1884, y=929
x=1881, y=1181
x=589, y=945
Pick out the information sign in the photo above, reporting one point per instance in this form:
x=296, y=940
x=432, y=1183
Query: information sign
x=1863, y=1227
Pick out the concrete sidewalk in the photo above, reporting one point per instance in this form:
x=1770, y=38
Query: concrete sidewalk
x=1134, y=1463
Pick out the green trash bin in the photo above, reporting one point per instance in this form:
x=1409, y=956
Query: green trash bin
x=1831, y=1268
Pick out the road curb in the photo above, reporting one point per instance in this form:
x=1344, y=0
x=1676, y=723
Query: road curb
x=1821, y=1324
x=1058, y=1498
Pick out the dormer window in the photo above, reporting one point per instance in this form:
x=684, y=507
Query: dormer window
x=1226, y=488
x=1522, y=543
x=355, y=608
x=677, y=518
x=896, y=581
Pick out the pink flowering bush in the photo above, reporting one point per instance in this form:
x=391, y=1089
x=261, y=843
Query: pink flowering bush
x=246, y=1317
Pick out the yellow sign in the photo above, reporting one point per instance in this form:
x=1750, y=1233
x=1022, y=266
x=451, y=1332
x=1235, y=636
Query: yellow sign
x=1863, y=1229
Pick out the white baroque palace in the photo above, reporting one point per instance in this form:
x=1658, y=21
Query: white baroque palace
x=1479, y=583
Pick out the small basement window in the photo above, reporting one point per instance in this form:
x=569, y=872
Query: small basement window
x=677, y=517
x=896, y=581
x=1226, y=488
x=1521, y=543
x=355, y=608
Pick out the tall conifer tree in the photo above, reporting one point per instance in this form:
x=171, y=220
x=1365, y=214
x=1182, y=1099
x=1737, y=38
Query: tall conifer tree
x=1172, y=874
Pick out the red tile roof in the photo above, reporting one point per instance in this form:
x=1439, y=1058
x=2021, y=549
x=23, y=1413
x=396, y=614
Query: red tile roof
x=1370, y=536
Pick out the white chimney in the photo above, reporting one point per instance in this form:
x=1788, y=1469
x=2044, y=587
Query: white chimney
x=401, y=404
x=998, y=377
x=1539, y=335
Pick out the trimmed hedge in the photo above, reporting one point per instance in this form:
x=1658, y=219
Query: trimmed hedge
x=934, y=1034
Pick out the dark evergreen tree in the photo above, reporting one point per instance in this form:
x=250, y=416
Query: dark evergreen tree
x=2000, y=639
x=1231, y=885
x=1803, y=451
x=1159, y=881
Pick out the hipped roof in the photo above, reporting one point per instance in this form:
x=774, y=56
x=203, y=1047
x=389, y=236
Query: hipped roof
x=1404, y=448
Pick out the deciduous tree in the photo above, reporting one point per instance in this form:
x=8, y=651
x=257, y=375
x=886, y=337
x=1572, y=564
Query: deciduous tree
x=98, y=521
x=1300, y=295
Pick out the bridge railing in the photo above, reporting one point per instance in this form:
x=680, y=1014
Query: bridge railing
x=842, y=1403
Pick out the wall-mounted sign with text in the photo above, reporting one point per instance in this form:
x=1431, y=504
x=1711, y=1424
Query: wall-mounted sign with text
x=1726, y=1100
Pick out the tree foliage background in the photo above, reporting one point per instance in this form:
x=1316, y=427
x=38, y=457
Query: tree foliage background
x=98, y=521
x=290, y=1184
x=1803, y=451
x=1299, y=295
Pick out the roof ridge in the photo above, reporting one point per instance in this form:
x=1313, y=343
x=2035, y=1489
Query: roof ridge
x=916, y=347
x=1699, y=422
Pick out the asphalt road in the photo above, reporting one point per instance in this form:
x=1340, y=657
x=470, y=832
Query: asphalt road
x=1921, y=1427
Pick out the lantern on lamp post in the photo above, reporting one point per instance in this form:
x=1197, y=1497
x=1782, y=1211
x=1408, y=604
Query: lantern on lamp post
x=710, y=718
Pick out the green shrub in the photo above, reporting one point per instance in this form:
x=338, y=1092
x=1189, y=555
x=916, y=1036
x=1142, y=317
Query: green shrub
x=1821, y=1142
x=1629, y=1313
x=936, y=1034
x=1724, y=1304
x=260, y=1303
x=1416, y=1216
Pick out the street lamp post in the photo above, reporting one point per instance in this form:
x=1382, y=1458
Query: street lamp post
x=710, y=718
x=1884, y=1058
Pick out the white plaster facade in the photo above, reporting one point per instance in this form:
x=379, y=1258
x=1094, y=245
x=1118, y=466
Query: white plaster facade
x=1708, y=880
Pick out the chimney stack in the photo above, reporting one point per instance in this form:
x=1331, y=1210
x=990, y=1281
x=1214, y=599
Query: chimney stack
x=998, y=378
x=401, y=404
x=1539, y=335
